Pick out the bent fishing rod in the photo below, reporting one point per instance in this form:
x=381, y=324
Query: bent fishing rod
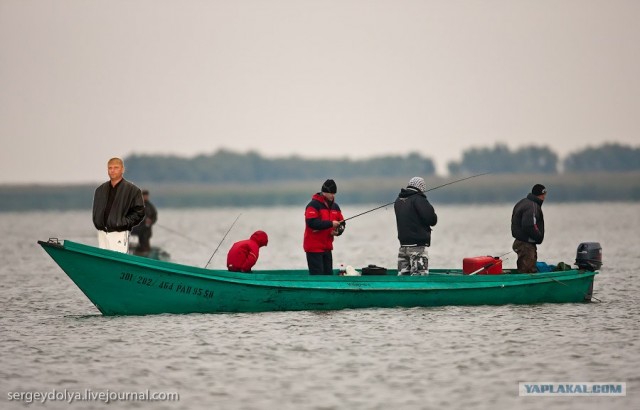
x=430, y=189
x=222, y=240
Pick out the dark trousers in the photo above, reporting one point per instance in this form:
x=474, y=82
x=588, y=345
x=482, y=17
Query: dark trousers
x=320, y=263
x=144, y=236
x=527, y=256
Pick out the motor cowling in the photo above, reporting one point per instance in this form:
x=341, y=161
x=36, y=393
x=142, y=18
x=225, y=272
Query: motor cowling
x=589, y=256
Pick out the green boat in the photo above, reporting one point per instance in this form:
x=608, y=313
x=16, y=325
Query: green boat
x=123, y=284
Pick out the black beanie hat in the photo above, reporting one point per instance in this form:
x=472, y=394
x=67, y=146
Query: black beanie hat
x=329, y=186
x=538, y=189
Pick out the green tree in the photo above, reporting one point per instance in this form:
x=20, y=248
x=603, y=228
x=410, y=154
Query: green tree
x=608, y=158
x=501, y=160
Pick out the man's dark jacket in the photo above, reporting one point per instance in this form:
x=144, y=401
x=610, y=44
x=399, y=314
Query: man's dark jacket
x=127, y=209
x=414, y=216
x=527, y=220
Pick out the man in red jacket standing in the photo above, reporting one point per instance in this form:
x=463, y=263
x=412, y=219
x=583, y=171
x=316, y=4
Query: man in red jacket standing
x=323, y=221
x=244, y=254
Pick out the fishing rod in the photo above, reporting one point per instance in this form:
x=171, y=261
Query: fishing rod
x=183, y=236
x=490, y=264
x=225, y=235
x=430, y=189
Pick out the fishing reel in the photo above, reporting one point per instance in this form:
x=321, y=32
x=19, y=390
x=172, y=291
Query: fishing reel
x=340, y=228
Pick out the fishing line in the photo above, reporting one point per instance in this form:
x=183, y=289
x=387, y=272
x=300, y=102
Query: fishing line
x=182, y=235
x=587, y=296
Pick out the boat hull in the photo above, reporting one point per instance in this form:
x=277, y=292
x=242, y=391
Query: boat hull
x=122, y=284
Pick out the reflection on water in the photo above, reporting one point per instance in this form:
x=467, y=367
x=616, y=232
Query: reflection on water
x=461, y=357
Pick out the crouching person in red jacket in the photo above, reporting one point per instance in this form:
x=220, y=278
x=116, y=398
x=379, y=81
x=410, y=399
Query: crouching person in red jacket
x=244, y=254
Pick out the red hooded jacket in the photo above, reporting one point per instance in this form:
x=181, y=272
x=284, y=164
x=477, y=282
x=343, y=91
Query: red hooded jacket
x=244, y=254
x=318, y=217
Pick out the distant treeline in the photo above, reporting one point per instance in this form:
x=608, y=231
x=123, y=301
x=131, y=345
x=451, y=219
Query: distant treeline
x=607, y=173
x=526, y=160
x=227, y=167
x=491, y=188
x=230, y=167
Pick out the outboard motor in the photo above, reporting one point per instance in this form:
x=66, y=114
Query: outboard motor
x=589, y=256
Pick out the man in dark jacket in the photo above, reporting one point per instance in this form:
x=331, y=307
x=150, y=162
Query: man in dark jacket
x=323, y=221
x=244, y=254
x=527, y=227
x=117, y=207
x=143, y=229
x=414, y=217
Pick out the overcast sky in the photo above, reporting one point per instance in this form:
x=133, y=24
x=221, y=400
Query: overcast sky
x=83, y=81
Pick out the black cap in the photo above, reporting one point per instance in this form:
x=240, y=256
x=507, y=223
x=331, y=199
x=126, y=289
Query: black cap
x=329, y=186
x=538, y=189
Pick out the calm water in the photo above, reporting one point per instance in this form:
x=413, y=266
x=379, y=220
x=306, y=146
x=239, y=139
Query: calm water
x=450, y=357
